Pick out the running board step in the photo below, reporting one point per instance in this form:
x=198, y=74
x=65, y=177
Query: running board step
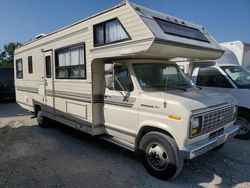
x=119, y=142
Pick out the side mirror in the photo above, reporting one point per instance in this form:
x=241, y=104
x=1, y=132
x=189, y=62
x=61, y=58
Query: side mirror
x=109, y=78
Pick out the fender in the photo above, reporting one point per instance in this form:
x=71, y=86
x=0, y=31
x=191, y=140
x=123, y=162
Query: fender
x=149, y=126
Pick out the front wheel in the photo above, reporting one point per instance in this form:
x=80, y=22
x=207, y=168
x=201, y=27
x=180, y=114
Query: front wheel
x=243, y=120
x=161, y=155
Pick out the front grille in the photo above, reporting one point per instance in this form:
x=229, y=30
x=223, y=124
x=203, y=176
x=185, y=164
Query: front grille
x=216, y=119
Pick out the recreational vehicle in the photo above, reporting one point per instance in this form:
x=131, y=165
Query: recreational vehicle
x=113, y=75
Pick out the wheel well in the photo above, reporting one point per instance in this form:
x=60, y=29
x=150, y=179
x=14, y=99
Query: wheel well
x=36, y=108
x=146, y=129
x=244, y=109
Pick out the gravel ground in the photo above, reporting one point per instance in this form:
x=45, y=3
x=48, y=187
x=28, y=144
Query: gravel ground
x=63, y=157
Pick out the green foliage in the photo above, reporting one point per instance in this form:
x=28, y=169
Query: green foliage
x=7, y=54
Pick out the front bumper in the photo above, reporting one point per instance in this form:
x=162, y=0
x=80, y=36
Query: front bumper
x=200, y=148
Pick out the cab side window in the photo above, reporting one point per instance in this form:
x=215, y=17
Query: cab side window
x=212, y=77
x=118, y=77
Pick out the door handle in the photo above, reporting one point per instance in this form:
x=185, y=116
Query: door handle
x=107, y=96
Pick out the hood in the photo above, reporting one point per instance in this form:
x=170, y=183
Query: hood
x=193, y=100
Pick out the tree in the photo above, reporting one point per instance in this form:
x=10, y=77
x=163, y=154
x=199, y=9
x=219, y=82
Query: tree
x=7, y=55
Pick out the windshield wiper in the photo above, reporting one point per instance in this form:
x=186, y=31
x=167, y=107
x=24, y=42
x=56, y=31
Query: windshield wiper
x=198, y=87
x=183, y=89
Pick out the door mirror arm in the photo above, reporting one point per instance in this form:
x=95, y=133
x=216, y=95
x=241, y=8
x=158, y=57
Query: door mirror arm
x=127, y=93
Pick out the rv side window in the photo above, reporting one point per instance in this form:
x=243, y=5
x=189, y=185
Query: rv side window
x=212, y=77
x=118, y=77
x=70, y=63
x=109, y=32
x=48, y=66
x=19, y=69
x=30, y=65
x=180, y=30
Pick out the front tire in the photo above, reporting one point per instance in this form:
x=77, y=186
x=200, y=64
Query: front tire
x=243, y=120
x=160, y=155
x=42, y=121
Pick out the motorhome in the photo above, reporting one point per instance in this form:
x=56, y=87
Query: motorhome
x=224, y=75
x=113, y=75
x=238, y=49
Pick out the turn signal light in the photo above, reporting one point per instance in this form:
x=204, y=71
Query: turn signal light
x=194, y=131
x=176, y=117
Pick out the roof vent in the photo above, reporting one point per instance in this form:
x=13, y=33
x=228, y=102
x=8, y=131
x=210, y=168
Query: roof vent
x=40, y=36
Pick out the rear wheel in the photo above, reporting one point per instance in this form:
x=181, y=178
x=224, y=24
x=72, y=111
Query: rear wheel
x=42, y=121
x=161, y=155
x=243, y=120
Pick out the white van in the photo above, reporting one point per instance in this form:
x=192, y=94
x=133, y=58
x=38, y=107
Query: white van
x=224, y=75
x=113, y=75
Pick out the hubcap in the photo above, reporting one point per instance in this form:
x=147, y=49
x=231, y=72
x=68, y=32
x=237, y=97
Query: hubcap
x=39, y=117
x=244, y=125
x=157, y=156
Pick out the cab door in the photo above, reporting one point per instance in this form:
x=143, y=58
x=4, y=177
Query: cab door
x=49, y=82
x=120, y=102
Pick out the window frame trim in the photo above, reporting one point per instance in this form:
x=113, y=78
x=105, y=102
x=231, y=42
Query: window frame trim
x=46, y=73
x=104, y=33
x=17, y=68
x=69, y=47
x=160, y=19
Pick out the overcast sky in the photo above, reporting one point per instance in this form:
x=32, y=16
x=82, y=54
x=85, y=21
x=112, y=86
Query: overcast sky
x=22, y=20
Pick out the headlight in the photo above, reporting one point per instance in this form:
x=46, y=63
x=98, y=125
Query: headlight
x=196, y=125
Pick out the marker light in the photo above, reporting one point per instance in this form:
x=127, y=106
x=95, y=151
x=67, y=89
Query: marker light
x=176, y=117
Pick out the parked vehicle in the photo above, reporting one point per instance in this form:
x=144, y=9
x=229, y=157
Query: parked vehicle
x=113, y=75
x=228, y=78
x=7, y=88
x=239, y=50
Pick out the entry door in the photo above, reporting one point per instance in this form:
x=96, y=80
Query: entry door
x=120, y=103
x=49, y=81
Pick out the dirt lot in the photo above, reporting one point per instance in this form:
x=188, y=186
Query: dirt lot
x=63, y=157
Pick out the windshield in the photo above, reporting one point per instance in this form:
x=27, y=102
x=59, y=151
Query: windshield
x=238, y=75
x=161, y=77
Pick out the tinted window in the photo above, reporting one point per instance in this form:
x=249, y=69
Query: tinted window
x=99, y=34
x=70, y=63
x=19, y=69
x=48, y=66
x=180, y=30
x=109, y=32
x=212, y=77
x=30, y=65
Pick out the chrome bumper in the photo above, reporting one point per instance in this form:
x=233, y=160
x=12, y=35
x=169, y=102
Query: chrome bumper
x=200, y=148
